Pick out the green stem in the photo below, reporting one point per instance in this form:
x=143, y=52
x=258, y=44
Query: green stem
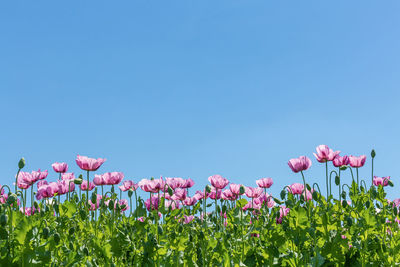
x=327, y=189
x=87, y=189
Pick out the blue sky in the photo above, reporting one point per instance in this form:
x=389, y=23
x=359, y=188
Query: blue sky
x=195, y=88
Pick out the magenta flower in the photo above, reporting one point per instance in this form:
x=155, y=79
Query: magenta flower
x=24, y=180
x=188, y=183
x=42, y=183
x=172, y=204
x=60, y=167
x=89, y=164
x=99, y=179
x=188, y=219
x=179, y=194
x=112, y=178
x=341, y=161
x=153, y=186
x=253, y=192
x=299, y=164
x=235, y=189
x=68, y=176
x=65, y=186
x=152, y=204
x=357, y=162
x=264, y=182
x=39, y=175
x=29, y=211
x=228, y=195
x=215, y=193
x=190, y=201
x=123, y=204
x=324, y=153
x=283, y=212
x=252, y=205
x=92, y=206
x=200, y=195
x=47, y=190
x=384, y=181
x=84, y=186
x=296, y=188
x=126, y=185
x=175, y=183
x=218, y=181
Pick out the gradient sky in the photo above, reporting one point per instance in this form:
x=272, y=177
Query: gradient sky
x=196, y=88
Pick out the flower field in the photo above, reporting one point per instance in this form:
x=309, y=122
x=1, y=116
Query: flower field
x=99, y=219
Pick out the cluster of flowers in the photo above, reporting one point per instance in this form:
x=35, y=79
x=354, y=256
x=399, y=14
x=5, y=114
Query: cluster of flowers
x=175, y=190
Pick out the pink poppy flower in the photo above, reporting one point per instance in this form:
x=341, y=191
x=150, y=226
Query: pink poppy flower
x=60, y=167
x=299, y=164
x=324, y=153
x=384, y=181
x=264, y=182
x=89, y=164
x=218, y=181
x=84, y=185
x=357, y=162
x=126, y=185
x=341, y=161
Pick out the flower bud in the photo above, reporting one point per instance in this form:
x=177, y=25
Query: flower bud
x=3, y=219
x=208, y=189
x=78, y=181
x=21, y=163
x=373, y=153
x=242, y=190
x=337, y=180
x=45, y=232
x=130, y=192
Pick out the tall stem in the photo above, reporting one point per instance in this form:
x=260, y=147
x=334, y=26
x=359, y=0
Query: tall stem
x=87, y=189
x=372, y=174
x=327, y=188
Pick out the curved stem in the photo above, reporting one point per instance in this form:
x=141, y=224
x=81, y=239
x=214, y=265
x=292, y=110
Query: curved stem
x=16, y=181
x=330, y=181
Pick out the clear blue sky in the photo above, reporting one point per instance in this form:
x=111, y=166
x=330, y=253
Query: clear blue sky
x=195, y=88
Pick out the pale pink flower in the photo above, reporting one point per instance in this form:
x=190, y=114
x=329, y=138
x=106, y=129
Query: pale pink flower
x=228, y=195
x=384, y=181
x=60, y=167
x=215, y=193
x=188, y=219
x=218, y=181
x=299, y=164
x=235, y=189
x=296, y=188
x=190, y=201
x=172, y=204
x=153, y=186
x=89, y=164
x=264, y=182
x=324, y=153
x=179, y=194
x=68, y=176
x=253, y=192
x=357, y=162
x=175, y=183
x=128, y=184
x=188, y=183
x=341, y=161
x=84, y=185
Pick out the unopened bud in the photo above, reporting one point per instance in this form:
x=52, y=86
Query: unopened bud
x=373, y=153
x=21, y=163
